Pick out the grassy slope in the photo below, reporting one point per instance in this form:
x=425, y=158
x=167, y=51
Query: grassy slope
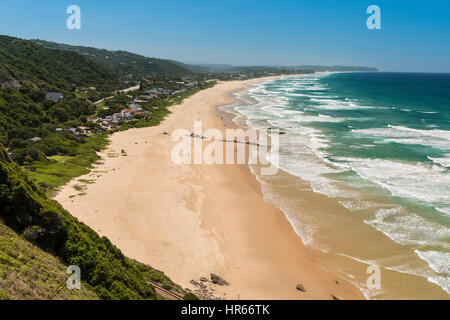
x=27, y=210
x=61, y=169
x=27, y=272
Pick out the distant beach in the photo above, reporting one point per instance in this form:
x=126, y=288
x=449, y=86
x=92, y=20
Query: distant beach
x=194, y=220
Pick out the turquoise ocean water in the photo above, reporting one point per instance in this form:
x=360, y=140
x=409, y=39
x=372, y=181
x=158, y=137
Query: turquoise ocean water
x=357, y=137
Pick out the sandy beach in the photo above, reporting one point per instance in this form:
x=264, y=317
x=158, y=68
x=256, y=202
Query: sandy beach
x=191, y=220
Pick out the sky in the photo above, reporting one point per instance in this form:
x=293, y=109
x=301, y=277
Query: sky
x=414, y=34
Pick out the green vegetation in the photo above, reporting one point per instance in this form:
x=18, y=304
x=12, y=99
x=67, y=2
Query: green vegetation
x=190, y=296
x=157, y=107
x=179, y=99
x=24, y=62
x=53, y=140
x=27, y=272
x=43, y=222
x=123, y=62
x=59, y=170
x=57, y=141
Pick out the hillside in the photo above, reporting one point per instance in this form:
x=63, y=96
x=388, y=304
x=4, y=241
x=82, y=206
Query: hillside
x=25, y=114
x=24, y=63
x=29, y=273
x=123, y=62
x=44, y=223
x=34, y=128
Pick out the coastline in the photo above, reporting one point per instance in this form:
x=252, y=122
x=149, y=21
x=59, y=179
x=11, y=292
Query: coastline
x=193, y=220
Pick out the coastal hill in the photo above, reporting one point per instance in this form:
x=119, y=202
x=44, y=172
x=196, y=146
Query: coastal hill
x=30, y=118
x=39, y=239
x=52, y=102
x=130, y=64
x=22, y=62
x=123, y=62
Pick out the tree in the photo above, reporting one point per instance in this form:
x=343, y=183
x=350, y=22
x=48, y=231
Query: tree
x=83, y=119
x=61, y=114
x=28, y=163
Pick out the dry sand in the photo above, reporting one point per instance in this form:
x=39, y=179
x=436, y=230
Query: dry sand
x=191, y=220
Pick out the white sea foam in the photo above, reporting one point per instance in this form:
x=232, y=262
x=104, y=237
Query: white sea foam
x=301, y=155
x=304, y=229
x=357, y=205
x=318, y=118
x=331, y=104
x=428, y=112
x=416, y=181
x=391, y=263
x=410, y=229
x=400, y=134
x=407, y=228
x=445, y=210
x=440, y=262
x=444, y=161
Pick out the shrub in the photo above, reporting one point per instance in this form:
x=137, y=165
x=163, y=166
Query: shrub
x=190, y=296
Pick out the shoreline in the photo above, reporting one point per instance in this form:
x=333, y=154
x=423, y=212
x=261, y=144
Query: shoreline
x=325, y=224
x=193, y=220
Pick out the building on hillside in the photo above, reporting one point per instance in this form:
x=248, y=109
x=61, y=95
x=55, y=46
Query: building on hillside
x=134, y=107
x=54, y=96
x=34, y=139
x=127, y=114
x=117, y=116
x=192, y=84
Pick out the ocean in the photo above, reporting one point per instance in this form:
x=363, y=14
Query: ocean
x=374, y=148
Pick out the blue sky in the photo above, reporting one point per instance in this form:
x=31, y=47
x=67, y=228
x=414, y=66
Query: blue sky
x=415, y=35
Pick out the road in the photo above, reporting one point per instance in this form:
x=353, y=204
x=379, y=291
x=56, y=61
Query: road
x=121, y=91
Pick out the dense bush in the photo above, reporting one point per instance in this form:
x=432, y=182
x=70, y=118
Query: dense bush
x=190, y=296
x=21, y=118
x=27, y=70
x=54, y=70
